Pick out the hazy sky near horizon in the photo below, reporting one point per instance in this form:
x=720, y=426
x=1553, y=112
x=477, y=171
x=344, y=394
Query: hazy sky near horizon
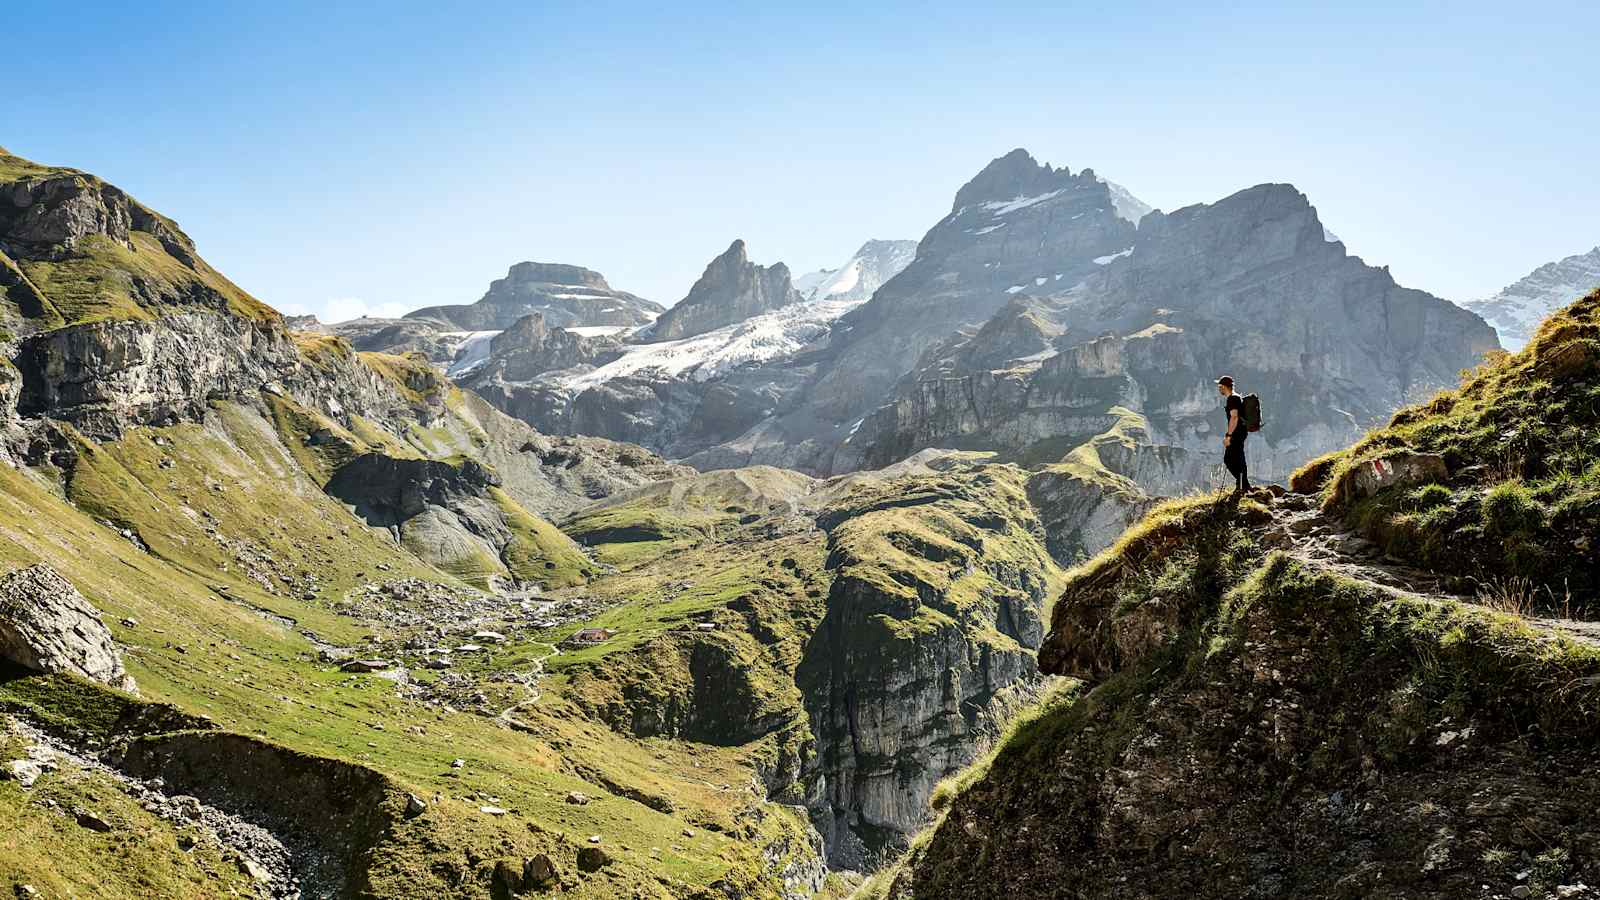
x=344, y=159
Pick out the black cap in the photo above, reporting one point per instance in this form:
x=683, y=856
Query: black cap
x=1226, y=380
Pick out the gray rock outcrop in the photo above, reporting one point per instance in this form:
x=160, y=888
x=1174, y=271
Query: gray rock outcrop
x=731, y=289
x=107, y=376
x=925, y=650
x=530, y=348
x=47, y=626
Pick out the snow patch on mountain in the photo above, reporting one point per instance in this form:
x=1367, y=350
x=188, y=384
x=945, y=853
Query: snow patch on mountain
x=471, y=350
x=758, y=339
x=865, y=271
x=1126, y=205
x=1518, y=309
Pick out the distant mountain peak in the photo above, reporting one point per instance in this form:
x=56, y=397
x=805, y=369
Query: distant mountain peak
x=1516, y=311
x=1016, y=174
x=566, y=295
x=731, y=289
x=858, y=277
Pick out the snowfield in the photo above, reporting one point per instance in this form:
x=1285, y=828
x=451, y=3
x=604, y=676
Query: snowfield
x=472, y=350
x=759, y=339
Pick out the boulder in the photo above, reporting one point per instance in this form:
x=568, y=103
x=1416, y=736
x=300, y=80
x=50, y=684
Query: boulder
x=1402, y=468
x=90, y=820
x=507, y=877
x=539, y=871
x=23, y=771
x=592, y=859
x=365, y=665
x=47, y=626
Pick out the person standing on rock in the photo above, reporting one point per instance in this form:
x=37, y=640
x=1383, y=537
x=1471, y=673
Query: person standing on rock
x=1234, y=434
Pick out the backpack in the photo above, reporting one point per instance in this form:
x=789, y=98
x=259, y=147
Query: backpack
x=1250, y=414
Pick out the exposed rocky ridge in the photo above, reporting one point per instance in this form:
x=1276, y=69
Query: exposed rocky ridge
x=74, y=248
x=925, y=648
x=1246, y=286
x=1515, y=312
x=376, y=335
x=861, y=275
x=731, y=289
x=47, y=626
x=565, y=295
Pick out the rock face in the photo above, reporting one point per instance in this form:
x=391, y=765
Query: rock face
x=1518, y=309
x=454, y=515
x=1247, y=286
x=861, y=275
x=731, y=289
x=925, y=648
x=1398, y=469
x=107, y=376
x=47, y=626
x=1015, y=225
x=531, y=348
x=565, y=295
x=51, y=216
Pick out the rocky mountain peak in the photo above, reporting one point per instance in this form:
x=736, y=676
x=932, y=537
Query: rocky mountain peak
x=1247, y=228
x=566, y=295
x=1016, y=174
x=731, y=289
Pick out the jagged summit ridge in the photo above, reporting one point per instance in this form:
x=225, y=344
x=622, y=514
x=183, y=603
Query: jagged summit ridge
x=731, y=289
x=1006, y=178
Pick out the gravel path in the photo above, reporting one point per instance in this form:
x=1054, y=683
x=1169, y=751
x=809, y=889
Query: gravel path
x=1305, y=533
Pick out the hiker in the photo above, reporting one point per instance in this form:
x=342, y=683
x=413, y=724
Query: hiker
x=1234, y=435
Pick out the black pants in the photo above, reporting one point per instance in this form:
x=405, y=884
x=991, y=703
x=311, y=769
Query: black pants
x=1233, y=458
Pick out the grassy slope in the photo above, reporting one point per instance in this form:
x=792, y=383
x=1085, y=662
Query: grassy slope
x=941, y=544
x=138, y=858
x=1245, y=687
x=217, y=657
x=97, y=280
x=1521, y=509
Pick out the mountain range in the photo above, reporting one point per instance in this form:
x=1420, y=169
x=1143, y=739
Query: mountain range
x=562, y=590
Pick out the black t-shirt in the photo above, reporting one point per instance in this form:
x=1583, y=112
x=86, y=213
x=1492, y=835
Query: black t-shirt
x=1234, y=404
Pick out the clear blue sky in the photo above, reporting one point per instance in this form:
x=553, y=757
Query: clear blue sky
x=335, y=160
